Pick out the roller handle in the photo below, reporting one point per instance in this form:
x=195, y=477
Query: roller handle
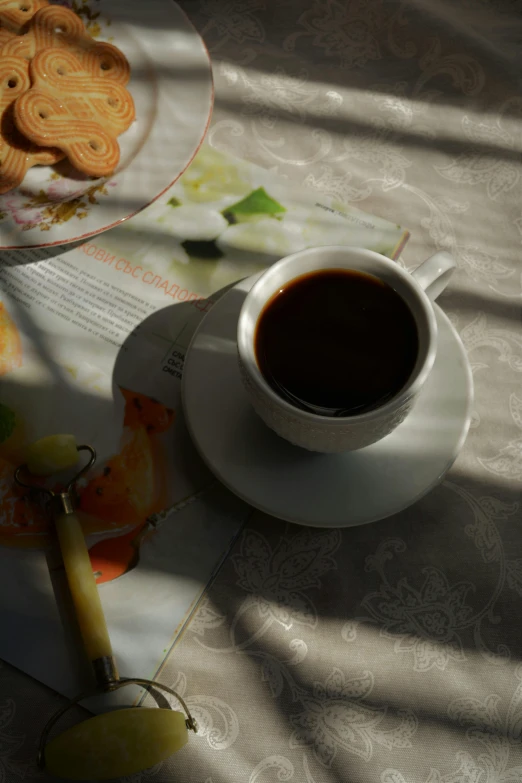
x=85, y=596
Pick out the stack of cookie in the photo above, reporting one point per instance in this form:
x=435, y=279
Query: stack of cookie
x=61, y=93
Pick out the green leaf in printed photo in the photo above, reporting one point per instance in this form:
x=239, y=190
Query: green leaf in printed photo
x=257, y=204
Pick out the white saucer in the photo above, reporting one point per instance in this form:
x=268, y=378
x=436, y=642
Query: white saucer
x=324, y=490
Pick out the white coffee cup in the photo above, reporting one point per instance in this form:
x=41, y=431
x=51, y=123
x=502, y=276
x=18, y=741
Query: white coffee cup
x=334, y=434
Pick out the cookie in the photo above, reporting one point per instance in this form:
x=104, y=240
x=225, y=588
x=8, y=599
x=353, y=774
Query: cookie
x=61, y=73
x=5, y=36
x=57, y=27
x=17, y=154
x=15, y=14
x=79, y=113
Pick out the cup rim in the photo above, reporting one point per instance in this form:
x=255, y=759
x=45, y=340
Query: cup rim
x=247, y=356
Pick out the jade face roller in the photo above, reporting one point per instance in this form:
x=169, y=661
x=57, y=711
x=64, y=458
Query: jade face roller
x=124, y=741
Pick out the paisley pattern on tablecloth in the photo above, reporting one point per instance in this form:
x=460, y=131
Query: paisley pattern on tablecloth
x=388, y=653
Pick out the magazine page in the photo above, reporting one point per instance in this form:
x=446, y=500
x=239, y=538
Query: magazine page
x=93, y=340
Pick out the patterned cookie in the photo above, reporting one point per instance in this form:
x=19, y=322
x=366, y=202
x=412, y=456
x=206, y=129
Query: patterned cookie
x=5, y=36
x=79, y=113
x=61, y=73
x=15, y=14
x=17, y=154
x=57, y=27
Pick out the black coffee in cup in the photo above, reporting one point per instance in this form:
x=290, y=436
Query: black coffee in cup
x=337, y=342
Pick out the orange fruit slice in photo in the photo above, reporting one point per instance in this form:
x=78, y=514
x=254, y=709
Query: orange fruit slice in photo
x=122, y=492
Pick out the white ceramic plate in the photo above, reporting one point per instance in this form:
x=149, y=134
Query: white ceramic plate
x=324, y=490
x=171, y=83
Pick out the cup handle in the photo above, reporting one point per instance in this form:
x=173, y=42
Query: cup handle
x=434, y=274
